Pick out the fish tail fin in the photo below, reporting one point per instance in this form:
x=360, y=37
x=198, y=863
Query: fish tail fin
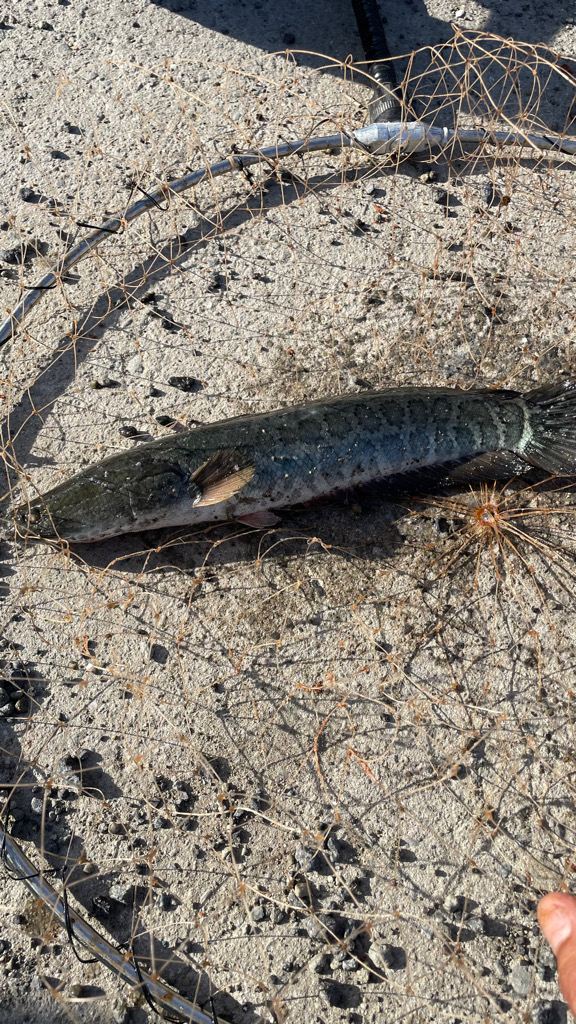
x=551, y=444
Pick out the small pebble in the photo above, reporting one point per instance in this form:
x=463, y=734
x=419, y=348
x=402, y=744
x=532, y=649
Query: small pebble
x=122, y=893
x=392, y=957
x=319, y=964
x=440, y=197
x=320, y=928
x=350, y=964
x=452, y=903
x=101, y=906
x=188, y=384
x=165, y=901
x=11, y=256
x=28, y=195
x=135, y=365
x=215, y=282
x=490, y=194
x=476, y=925
x=99, y=385
x=258, y=913
x=335, y=849
x=336, y=994
x=159, y=654
x=549, y=1013
x=302, y=890
x=521, y=979
x=168, y=324
x=307, y=859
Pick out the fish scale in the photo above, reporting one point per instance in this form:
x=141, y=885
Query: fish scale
x=248, y=465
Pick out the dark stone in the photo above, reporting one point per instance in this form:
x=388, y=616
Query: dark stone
x=490, y=195
x=159, y=654
x=11, y=256
x=188, y=384
x=28, y=195
x=101, y=906
x=107, y=382
x=165, y=901
x=493, y=927
x=342, y=996
x=550, y=1012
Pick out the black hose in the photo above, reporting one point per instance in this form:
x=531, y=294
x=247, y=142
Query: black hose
x=385, y=103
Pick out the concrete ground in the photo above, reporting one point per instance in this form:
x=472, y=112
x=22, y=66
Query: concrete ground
x=321, y=772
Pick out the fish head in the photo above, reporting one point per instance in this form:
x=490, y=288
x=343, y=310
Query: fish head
x=103, y=501
x=138, y=490
x=74, y=511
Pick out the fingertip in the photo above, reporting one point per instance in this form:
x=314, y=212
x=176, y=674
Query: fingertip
x=557, y=917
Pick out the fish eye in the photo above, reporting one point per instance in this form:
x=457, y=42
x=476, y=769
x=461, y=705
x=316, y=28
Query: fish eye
x=32, y=517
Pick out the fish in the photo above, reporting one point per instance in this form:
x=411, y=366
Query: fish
x=247, y=467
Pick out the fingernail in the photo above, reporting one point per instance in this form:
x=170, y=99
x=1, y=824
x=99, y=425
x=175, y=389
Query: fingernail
x=557, y=927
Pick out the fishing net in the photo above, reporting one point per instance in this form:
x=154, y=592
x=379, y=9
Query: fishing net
x=322, y=771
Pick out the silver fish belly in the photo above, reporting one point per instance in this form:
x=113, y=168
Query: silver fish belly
x=248, y=465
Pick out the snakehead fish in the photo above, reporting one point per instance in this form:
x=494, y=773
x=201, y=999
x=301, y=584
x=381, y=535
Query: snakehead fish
x=243, y=468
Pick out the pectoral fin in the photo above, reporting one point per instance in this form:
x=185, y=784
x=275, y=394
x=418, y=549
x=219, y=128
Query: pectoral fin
x=223, y=475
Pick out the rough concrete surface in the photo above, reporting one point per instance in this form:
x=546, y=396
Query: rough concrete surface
x=321, y=772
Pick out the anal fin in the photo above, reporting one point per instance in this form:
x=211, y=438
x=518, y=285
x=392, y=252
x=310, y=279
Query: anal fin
x=490, y=466
x=259, y=520
x=223, y=475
